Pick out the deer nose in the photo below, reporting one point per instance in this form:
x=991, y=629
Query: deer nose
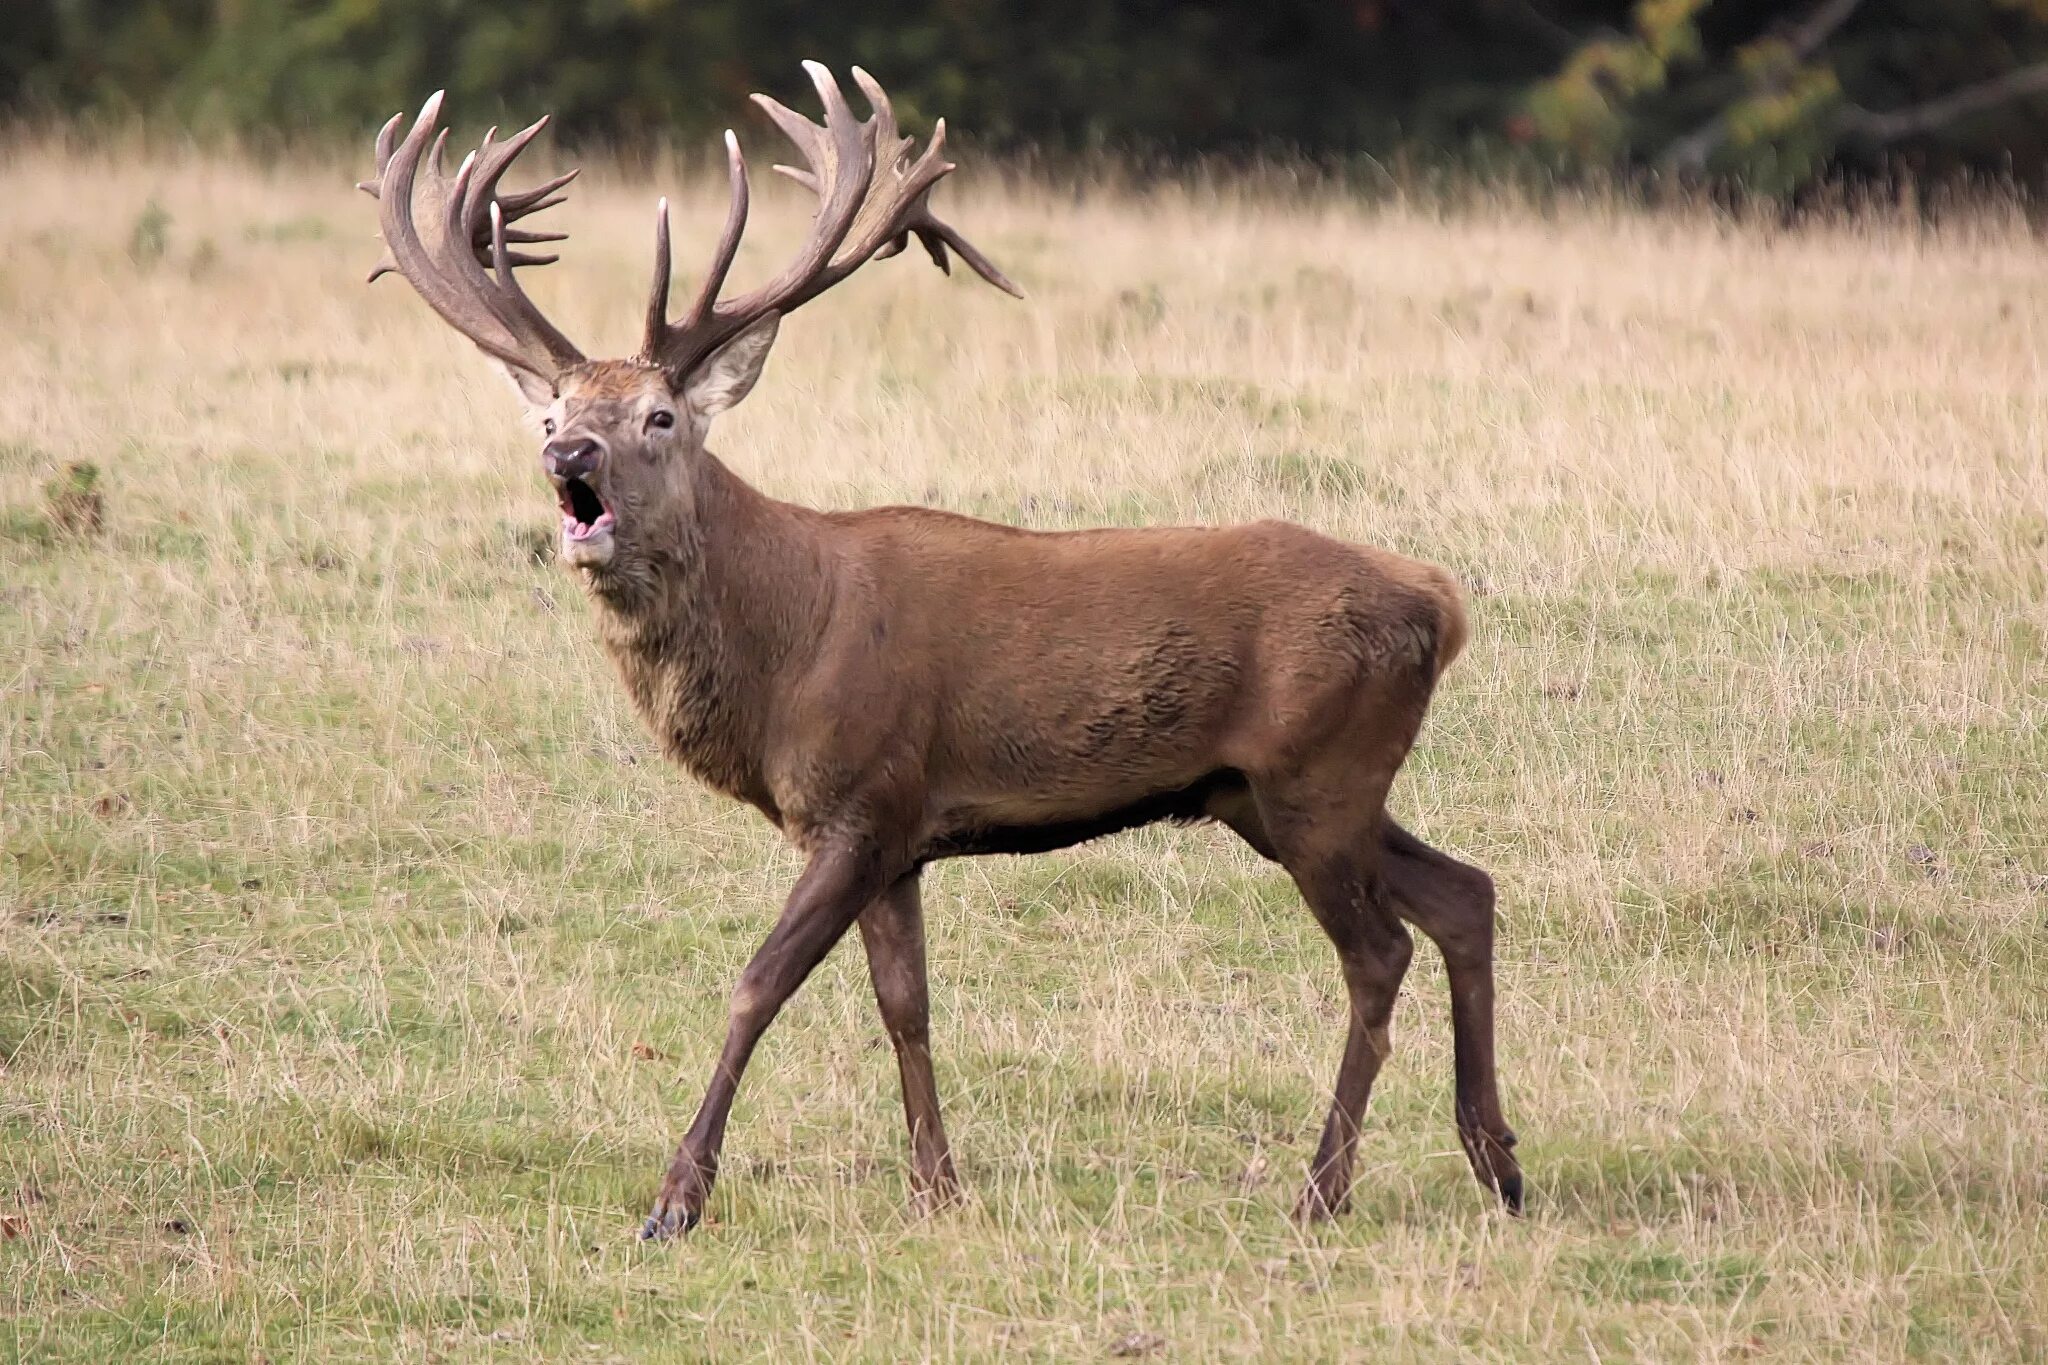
x=570, y=457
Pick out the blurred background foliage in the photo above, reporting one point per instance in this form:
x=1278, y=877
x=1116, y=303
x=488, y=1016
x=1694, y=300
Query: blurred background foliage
x=1770, y=96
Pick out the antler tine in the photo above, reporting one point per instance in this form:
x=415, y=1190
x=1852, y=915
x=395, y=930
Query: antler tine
x=519, y=203
x=871, y=198
x=728, y=236
x=841, y=172
x=901, y=207
x=453, y=273
x=493, y=156
x=493, y=159
x=661, y=338
x=454, y=210
x=657, y=293
x=881, y=233
x=502, y=259
x=806, y=136
x=889, y=149
x=387, y=143
x=887, y=146
x=936, y=236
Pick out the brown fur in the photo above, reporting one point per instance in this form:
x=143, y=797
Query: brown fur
x=898, y=685
x=913, y=676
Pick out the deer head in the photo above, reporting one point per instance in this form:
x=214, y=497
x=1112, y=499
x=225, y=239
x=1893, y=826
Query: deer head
x=620, y=436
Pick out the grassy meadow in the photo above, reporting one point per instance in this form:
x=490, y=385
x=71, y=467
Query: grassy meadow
x=360, y=960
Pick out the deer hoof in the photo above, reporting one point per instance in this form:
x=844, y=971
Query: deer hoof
x=1494, y=1163
x=929, y=1201
x=678, y=1208
x=668, y=1220
x=1317, y=1205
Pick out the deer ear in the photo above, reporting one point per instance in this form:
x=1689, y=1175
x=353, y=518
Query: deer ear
x=537, y=393
x=727, y=375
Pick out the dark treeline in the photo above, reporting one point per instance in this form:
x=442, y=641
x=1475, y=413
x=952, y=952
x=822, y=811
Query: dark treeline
x=1769, y=94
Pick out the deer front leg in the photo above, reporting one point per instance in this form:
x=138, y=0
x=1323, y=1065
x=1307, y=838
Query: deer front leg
x=836, y=885
x=892, y=930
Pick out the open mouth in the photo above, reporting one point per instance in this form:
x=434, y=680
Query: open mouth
x=583, y=511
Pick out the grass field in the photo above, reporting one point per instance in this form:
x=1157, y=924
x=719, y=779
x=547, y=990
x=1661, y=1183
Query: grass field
x=360, y=961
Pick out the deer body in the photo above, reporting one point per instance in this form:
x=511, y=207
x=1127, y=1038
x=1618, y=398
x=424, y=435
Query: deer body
x=899, y=685
x=1096, y=677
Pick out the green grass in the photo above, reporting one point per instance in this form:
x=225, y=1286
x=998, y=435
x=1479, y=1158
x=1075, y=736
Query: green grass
x=360, y=961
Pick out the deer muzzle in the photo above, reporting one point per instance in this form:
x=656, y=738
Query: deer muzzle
x=572, y=464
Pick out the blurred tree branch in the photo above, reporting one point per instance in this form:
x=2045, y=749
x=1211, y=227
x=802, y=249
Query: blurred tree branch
x=1925, y=118
x=1728, y=90
x=1778, y=58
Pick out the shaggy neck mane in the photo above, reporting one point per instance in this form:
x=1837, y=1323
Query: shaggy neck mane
x=705, y=620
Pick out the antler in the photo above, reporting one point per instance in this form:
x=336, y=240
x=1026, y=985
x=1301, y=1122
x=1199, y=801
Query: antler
x=871, y=198
x=462, y=265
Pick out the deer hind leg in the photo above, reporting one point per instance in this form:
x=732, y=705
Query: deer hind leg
x=892, y=930
x=1331, y=850
x=1452, y=903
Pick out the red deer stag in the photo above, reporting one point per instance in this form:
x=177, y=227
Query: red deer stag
x=899, y=685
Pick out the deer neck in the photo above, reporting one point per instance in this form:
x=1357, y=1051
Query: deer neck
x=725, y=598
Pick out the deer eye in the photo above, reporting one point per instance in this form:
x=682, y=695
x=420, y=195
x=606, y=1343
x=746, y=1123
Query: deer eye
x=661, y=419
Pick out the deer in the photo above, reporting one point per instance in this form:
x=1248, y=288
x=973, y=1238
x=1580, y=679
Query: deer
x=899, y=685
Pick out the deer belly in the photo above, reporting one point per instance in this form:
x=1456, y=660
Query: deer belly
x=1035, y=824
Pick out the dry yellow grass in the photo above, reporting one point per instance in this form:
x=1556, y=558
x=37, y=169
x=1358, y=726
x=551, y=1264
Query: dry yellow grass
x=340, y=884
